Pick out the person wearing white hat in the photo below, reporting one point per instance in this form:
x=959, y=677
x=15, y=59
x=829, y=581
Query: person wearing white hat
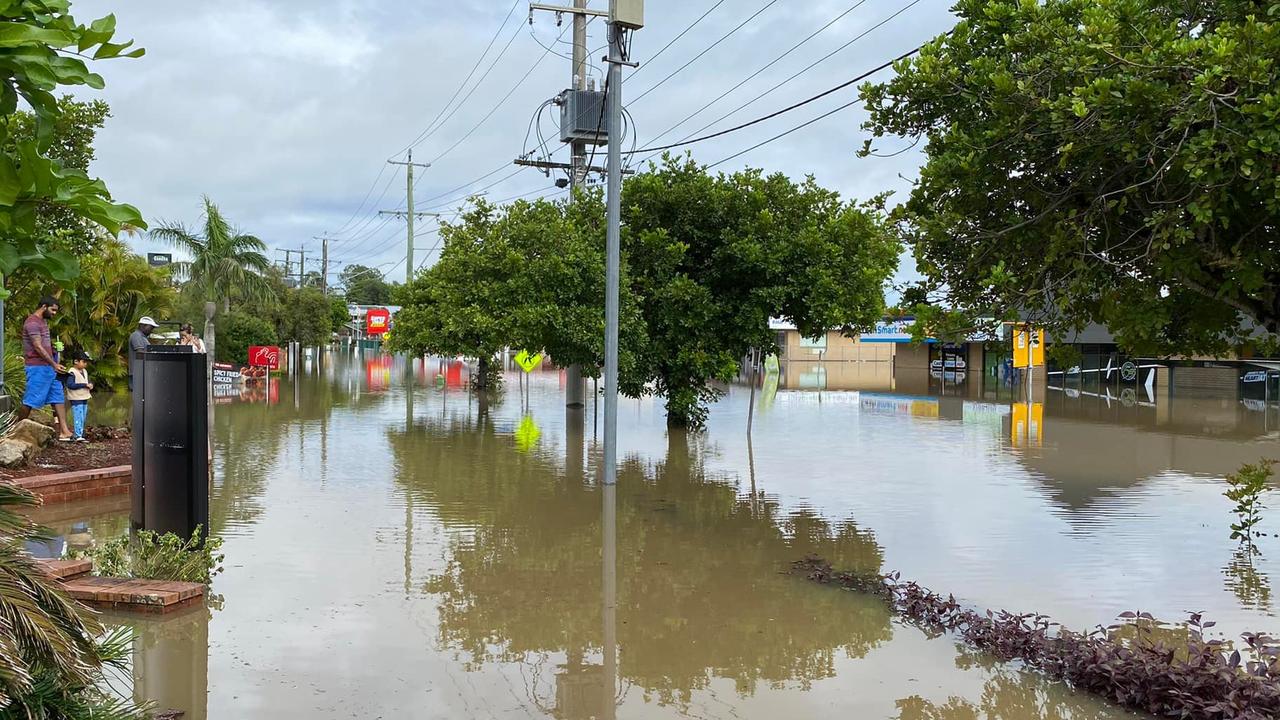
x=138, y=342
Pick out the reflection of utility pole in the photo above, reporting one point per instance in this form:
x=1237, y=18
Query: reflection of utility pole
x=609, y=601
x=409, y=215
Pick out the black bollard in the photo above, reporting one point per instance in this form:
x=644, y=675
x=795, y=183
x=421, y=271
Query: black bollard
x=171, y=441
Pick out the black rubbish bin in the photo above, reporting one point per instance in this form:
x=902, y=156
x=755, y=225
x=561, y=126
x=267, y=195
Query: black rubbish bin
x=171, y=441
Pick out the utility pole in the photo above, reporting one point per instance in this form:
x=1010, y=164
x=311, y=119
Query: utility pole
x=409, y=214
x=288, y=264
x=624, y=15
x=324, y=264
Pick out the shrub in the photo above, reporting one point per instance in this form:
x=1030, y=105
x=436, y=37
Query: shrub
x=160, y=557
x=1246, y=488
x=1132, y=664
x=236, y=332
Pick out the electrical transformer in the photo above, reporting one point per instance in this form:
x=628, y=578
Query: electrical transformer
x=582, y=117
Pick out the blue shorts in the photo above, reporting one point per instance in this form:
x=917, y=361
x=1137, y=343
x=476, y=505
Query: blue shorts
x=43, y=387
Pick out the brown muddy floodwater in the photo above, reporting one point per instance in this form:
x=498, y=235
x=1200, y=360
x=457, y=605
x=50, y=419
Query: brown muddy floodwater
x=398, y=550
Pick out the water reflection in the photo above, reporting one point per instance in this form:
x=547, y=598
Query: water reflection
x=170, y=662
x=699, y=589
x=414, y=549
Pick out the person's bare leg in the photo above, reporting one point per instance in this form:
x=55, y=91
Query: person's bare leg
x=60, y=412
x=24, y=412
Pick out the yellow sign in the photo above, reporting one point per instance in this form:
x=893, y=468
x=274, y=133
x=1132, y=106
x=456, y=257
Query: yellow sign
x=1027, y=425
x=528, y=362
x=1028, y=348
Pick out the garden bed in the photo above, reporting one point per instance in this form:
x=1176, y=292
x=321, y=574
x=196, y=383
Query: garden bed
x=71, y=457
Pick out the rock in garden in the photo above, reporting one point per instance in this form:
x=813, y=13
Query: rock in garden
x=32, y=433
x=15, y=453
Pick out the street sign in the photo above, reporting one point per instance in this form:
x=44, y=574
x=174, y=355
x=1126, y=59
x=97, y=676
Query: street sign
x=159, y=259
x=377, y=321
x=528, y=362
x=267, y=356
x=1028, y=348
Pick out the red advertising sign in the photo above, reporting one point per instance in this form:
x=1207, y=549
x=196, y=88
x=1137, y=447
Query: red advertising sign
x=377, y=321
x=267, y=356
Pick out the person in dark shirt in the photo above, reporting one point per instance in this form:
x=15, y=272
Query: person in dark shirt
x=43, y=385
x=138, y=341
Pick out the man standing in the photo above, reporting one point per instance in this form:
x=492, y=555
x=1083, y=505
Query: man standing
x=137, y=342
x=43, y=386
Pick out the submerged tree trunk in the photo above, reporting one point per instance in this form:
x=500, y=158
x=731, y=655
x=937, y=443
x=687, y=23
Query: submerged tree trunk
x=482, y=379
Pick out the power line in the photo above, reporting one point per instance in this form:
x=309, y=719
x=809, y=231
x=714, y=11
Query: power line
x=789, y=108
x=500, y=103
x=687, y=141
x=708, y=49
x=676, y=38
x=438, y=122
x=756, y=74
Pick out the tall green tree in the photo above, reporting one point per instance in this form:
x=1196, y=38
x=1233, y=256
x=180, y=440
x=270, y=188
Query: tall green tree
x=224, y=261
x=713, y=257
x=364, y=285
x=41, y=49
x=1100, y=160
x=305, y=317
x=528, y=276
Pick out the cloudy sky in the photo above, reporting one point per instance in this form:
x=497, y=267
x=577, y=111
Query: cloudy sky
x=285, y=112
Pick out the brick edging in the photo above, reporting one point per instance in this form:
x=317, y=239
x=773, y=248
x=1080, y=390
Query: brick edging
x=79, y=484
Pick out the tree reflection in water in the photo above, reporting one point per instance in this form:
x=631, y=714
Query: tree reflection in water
x=1008, y=694
x=701, y=588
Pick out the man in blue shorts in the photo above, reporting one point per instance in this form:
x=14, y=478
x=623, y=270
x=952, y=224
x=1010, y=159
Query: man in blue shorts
x=43, y=385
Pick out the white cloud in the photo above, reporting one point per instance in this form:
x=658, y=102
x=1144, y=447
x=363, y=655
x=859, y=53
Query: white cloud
x=285, y=111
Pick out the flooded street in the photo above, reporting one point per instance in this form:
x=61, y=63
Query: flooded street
x=397, y=549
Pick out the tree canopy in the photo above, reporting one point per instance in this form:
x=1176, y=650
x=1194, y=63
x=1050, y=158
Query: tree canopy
x=713, y=257
x=707, y=261
x=1100, y=160
x=42, y=48
x=364, y=286
x=224, y=261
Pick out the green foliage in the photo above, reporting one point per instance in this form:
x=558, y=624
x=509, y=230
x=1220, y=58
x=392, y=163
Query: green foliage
x=1246, y=487
x=51, y=659
x=305, y=317
x=153, y=556
x=1100, y=160
x=225, y=262
x=115, y=288
x=236, y=332
x=338, y=317
x=713, y=258
x=42, y=48
x=528, y=276
x=364, y=286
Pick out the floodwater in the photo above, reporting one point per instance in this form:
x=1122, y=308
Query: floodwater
x=397, y=549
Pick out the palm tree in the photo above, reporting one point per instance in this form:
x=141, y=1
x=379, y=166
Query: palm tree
x=223, y=259
x=51, y=657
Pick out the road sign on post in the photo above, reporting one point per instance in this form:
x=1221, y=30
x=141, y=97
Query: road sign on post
x=265, y=356
x=528, y=362
x=377, y=321
x=1028, y=347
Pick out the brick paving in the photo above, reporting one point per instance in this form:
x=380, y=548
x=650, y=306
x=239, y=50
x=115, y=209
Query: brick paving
x=79, y=484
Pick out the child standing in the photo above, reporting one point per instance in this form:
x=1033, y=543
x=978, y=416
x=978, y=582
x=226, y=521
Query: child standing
x=79, y=391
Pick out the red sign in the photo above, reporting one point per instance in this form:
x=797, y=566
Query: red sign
x=377, y=321
x=267, y=356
